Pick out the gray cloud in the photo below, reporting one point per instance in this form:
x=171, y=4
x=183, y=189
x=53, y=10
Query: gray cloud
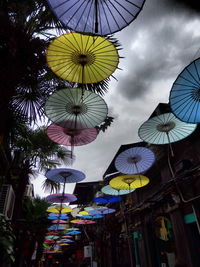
x=156, y=50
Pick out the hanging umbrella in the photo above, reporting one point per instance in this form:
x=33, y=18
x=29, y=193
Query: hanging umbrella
x=84, y=212
x=108, y=190
x=75, y=211
x=84, y=222
x=88, y=208
x=49, y=241
x=96, y=216
x=71, y=137
x=102, y=211
x=64, y=175
x=60, y=216
x=57, y=227
x=75, y=109
x=164, y=129
x=59, y=210
x=72, y=229
x=59, y=221
x=66, y=236
x=107, y=199
x=135, y=160
x=51, y=234
x=82, y=58
x=61, y=198
x=185, y=94
x=74, y=233
x=66, y=240
x=127, y=182
x=51, y=237
x=96, y=17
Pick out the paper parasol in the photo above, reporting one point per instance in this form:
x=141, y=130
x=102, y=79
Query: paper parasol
x=61, y=198
x=96, y=216
x=107, y=199
x=135, y=160
x=108, y=190
x=59, y=221
x=126, y=182
x=185, y=94
x=165, y=129
x=70, y=137
x=74, y=232
x=64, y=175
x=96, y=17
x=82, y=58
x=102, y=211
x=73, y=108
x=84, y=222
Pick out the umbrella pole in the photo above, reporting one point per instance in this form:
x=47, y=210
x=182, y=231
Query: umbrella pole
x=96, y=16
x=128, y=239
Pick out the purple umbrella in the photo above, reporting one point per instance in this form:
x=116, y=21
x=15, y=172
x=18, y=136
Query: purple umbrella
x=135, y=160
x=64, y=175
x=96, y=17
x=102, y=211
x=61, y=198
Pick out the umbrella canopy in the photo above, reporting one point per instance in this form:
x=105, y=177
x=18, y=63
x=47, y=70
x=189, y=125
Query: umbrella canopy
x=96, y=216
x=135, y=160
x=60, y=216
x=74, y=232
x=64, y=175
x=185, y=94
x=108, y=190
x=96, y=17
x=71, y=137
x=164, y=129
x=82, y=58
x=102, y=211
x=84, y=222
x=107, y=199
x=127, y=182
x=51, y=234
x=73, y=108
x=53, y=237
x=57, y=227
x=59, y=221
x=67, y=240
x=61, y=198
x=75, y=211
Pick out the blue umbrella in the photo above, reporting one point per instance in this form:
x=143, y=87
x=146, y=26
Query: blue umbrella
x=185, y=94
x=73, y=232
x=61, y=217
x=107, y=199
x=95, y=216
x=108, y=190
x=94, y=16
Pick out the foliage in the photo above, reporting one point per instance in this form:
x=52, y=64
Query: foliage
x=6, y=242
x=39, y=152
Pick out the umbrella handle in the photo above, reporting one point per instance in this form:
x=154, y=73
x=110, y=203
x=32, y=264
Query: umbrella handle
x=96, y=16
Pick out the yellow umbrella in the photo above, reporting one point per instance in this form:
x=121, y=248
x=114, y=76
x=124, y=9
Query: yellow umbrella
x=58, y=210
x=84, y=212
x=75, y=221
x=127, y=182
x=82, y=58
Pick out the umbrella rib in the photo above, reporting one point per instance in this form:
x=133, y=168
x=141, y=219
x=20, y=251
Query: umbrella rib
x=119, y=11
x=112, y=14
x=79, y=8
x=66, y=11
x=103, y=8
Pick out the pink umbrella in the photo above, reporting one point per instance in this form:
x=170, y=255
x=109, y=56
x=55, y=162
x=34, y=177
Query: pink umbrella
x=71, y=137
x=66, y=236
x=61, y=198
x=59, y=221
x=86, y=222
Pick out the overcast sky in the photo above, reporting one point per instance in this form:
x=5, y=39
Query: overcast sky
x=157, y=46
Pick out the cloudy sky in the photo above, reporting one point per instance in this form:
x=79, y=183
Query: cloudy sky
x=157, y=46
